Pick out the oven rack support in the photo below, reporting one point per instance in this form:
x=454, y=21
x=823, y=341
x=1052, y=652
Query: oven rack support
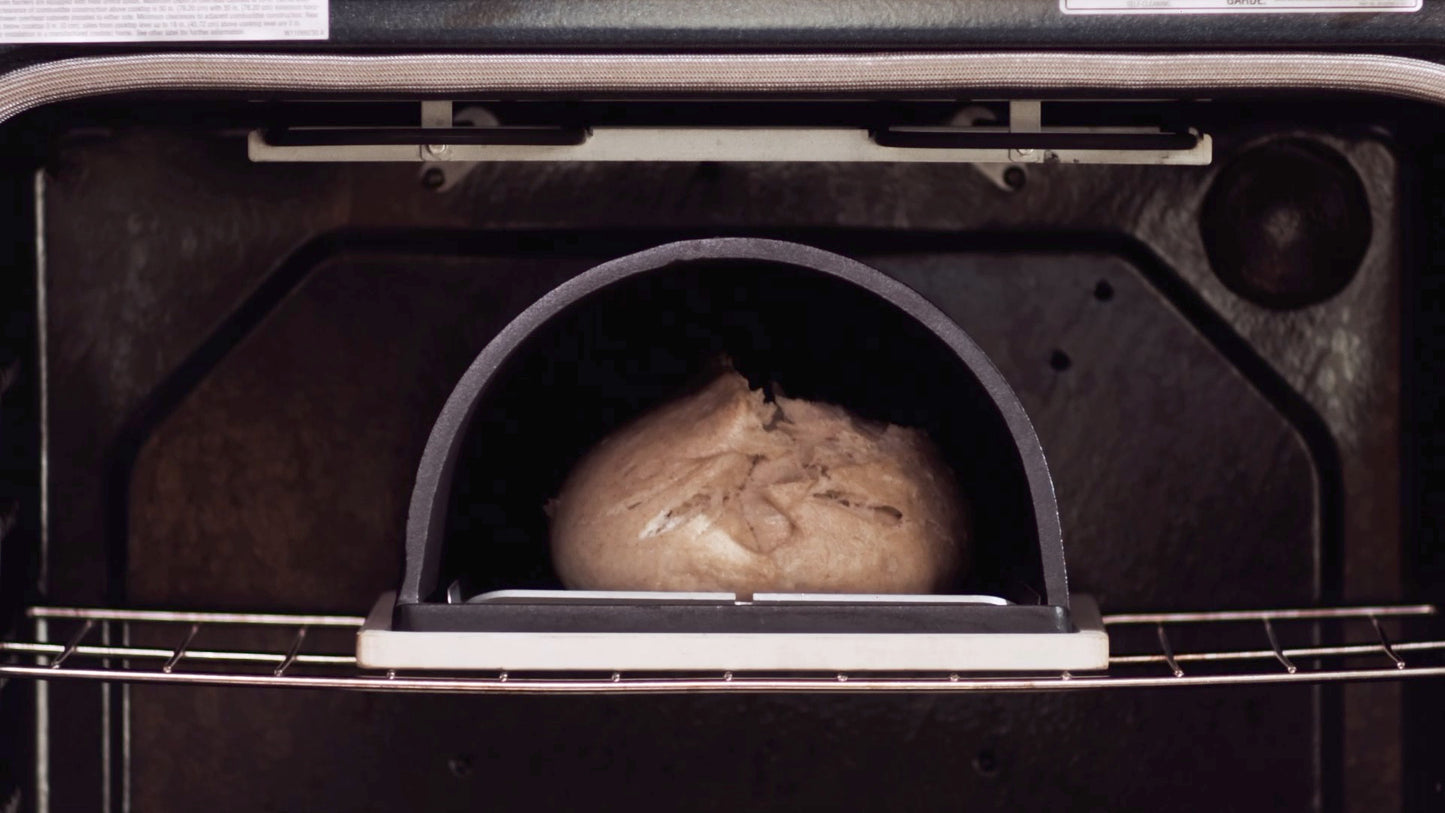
x=1341, y=644
x=470, y=135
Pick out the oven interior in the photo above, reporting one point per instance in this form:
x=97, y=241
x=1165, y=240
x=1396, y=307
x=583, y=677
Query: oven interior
x=219, y=376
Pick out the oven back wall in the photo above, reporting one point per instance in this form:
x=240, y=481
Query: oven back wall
x=245, y=361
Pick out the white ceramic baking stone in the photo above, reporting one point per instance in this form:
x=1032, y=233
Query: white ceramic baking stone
x=380, y=647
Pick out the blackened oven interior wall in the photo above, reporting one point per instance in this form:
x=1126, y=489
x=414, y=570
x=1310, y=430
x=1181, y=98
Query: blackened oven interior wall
x=277, y=478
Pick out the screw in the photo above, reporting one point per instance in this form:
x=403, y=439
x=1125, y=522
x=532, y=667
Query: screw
x=461, y=766
x=437, y=150
x=986, y=763
x=1025, y=151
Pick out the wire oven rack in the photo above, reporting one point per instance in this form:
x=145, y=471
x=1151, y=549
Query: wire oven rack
x=314, y=651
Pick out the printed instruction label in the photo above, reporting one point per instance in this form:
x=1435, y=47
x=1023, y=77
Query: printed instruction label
x=24, y=21
x=1234, y=6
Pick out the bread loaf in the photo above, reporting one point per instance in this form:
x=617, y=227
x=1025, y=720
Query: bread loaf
x=724, y=490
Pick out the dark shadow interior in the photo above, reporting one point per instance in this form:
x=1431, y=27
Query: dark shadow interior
x=631, y=346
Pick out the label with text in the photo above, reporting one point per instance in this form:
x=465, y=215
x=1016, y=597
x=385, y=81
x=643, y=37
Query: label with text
x=86, y=21
x=1234, y=6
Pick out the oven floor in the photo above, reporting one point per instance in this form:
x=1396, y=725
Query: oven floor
x=246, y=750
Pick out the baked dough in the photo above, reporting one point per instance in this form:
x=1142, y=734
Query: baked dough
x=723, y=490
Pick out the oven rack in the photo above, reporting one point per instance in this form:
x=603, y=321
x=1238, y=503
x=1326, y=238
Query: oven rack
x=1265, y=646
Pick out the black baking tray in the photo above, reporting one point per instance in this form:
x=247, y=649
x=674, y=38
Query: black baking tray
x=871, y=617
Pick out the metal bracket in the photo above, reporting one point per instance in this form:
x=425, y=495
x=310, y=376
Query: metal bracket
x=1023, y=141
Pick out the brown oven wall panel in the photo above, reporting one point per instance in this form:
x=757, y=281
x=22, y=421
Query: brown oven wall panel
x=1164, y=457
x=1343, y=356
x=149, y=243
x=283, y=480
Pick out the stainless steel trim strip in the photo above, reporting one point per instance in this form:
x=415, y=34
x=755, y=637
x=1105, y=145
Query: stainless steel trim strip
x=239, y=656
x=1022, y=74
x=616, y=684
x=1305, y=614
x=180, y=617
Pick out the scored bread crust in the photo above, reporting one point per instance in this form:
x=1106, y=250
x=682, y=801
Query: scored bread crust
x=722, y=490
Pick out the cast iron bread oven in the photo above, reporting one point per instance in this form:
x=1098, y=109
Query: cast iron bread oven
x=608, y=344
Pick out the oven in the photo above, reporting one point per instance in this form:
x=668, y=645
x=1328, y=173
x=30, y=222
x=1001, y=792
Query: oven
x=301, y=337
